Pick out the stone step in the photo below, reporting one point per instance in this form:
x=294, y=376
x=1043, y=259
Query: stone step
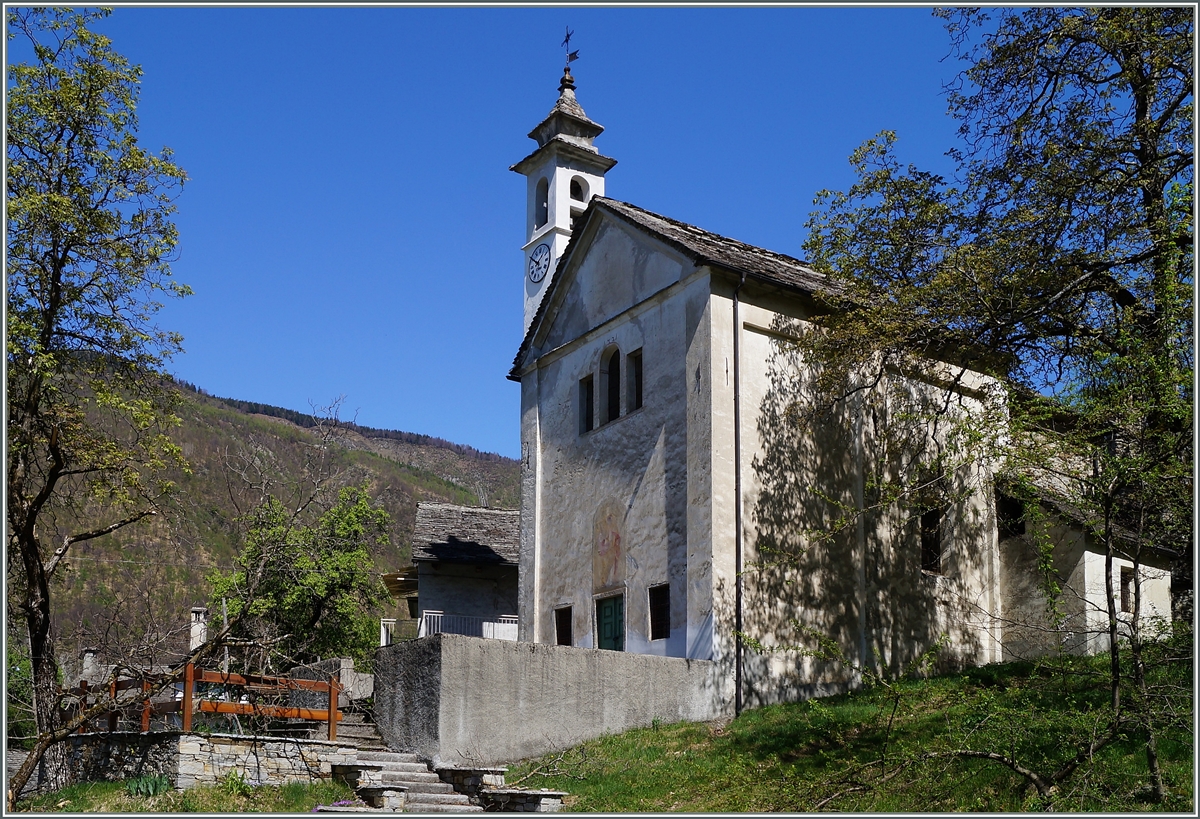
x=418, y=786
x=436, y=799
x=402, y=767
x=425, y=775
x=434, y=808
x=355, y=728
x=389, y=756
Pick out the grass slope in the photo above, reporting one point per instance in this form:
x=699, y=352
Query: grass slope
x=863, y=751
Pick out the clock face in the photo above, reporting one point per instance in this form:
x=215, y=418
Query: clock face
x=539, y=263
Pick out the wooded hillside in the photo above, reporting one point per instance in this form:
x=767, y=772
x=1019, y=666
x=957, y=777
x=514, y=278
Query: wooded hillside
x=154, y=572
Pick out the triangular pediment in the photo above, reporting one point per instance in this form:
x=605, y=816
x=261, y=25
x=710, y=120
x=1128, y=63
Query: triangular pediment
x=609, y=267
x=622, y=254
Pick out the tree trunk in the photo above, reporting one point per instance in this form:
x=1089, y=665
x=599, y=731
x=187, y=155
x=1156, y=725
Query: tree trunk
x=1114, y=647
x=52, y=768
x=1139, y=680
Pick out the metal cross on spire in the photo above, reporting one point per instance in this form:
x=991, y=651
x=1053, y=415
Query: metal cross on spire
x=572, y=56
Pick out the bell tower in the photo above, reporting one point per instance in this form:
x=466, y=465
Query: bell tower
x=564, y=173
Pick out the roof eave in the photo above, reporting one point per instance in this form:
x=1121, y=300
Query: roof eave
x=571, y=150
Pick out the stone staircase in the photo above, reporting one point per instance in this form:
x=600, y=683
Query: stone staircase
x=356, y=730
x=425, y=791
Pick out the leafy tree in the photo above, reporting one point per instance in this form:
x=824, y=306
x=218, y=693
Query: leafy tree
x=1058, y=260
x=305, y=591
x=89, y=242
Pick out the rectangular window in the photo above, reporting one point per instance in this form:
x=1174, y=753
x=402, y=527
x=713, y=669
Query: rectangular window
x=633, y=397
x=1010, y=516
x=660, y=612
x=931, y=541
x=562, y=627
x=1127, y=589
x=587, y=395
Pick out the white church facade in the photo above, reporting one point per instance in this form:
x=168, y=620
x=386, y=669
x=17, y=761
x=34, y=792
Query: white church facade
x=669, y=504
x=682, y=537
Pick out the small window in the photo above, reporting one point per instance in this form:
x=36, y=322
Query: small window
x=1127, y=589
x=542, y=204
x=578, y=189
x=586, y=401
x=931, y=541
x=610, y=386
x=413, y=609
x=660, y=612
x=633, y=390
x=1010, y=516
x=562, y=627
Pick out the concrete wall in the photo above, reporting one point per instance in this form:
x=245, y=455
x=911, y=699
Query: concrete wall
x=470, y=701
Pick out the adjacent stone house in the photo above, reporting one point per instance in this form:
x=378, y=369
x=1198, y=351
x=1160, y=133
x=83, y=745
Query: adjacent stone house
x=464, y=574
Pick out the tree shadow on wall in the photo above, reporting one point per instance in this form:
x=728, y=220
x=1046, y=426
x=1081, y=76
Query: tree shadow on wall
x=867, y=528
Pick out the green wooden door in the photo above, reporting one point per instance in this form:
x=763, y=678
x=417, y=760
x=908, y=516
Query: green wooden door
x=610, y=620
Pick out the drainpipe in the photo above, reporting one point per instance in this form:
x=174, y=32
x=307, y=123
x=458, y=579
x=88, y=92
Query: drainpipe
x=737, y=492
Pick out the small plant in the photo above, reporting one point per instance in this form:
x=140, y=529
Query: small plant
x=234, y=783
x=144, y=786
x=656, y=723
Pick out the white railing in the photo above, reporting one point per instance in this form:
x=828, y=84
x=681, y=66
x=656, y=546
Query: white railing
x=503, y=627
x=387, y=631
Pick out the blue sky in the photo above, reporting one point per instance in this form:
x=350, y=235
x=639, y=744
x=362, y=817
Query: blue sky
x=351, y=227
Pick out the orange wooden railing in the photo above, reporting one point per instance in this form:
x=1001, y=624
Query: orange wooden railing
x=190, y=675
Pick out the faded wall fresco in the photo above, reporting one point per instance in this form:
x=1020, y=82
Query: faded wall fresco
x=608, y=547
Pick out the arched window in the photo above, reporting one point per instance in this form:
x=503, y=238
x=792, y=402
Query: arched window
x=610, y=385
x=542, y=205
x=579, y=189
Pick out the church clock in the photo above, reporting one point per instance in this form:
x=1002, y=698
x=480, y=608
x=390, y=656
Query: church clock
x=539, y=262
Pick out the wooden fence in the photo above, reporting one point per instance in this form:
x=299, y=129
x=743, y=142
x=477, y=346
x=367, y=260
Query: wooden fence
x=190, y=675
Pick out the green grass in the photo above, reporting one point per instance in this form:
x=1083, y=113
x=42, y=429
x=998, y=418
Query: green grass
x=112, y=797
x=839, y=754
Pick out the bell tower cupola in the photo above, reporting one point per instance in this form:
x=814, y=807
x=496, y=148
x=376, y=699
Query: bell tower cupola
x=564, y=173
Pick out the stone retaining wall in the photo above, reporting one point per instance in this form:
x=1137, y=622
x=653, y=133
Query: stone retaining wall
x=110, y=757
x=203, y=759
x=471, y=780
x=515, y=800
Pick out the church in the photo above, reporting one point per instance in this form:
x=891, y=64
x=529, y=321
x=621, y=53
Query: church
x=671, y=506
x=686, y=537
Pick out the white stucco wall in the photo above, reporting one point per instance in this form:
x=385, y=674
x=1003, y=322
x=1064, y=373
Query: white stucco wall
x=814, y=564
x=1078, y=621
x=627, y=482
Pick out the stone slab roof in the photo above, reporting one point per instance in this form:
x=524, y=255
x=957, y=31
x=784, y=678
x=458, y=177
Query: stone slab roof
x=705, y=247
x=448, y=533
x=702, y=247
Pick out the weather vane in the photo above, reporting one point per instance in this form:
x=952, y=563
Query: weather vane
x=572, y=56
